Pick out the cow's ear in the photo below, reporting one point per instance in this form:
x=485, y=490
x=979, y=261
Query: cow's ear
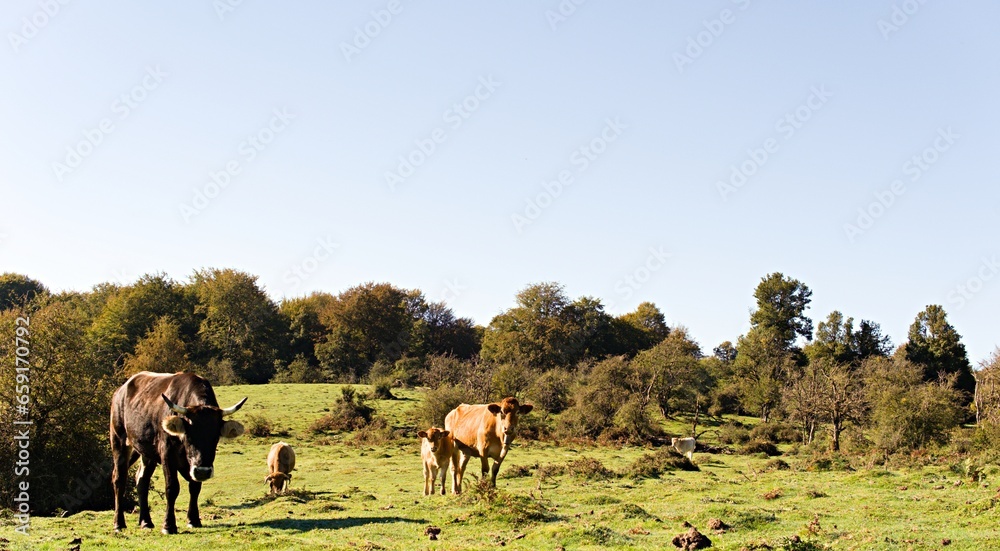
x=526, y=408
x=444, y=433
x=422, y=434
x=231, y=429
x=174, y=425
x=495, y=409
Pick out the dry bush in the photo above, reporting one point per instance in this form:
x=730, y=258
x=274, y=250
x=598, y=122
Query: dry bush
x=589, y=469
x=258, y=426
x=755, y=447
x=350, y=412
x=653, y=465
x=776, y=433
x=734, y=433
x=437, y=403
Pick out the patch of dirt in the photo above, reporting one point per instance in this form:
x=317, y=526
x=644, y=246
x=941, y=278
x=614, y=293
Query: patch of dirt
x=692, y=540
x=717, y=526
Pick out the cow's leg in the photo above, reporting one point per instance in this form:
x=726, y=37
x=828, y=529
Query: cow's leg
x=496, y=466
x=444, y=478
x=432, y=479
x=142, y=478
x=194, y=519
x=173, y=487
x=494, y=471
x=121, y=454
x=428, y=488
x=459, y=462
x=485, y=461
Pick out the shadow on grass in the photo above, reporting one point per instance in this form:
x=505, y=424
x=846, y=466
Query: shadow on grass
x=304, y=525
x=299, y=496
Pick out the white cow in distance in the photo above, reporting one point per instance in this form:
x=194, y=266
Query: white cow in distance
x=684, y=446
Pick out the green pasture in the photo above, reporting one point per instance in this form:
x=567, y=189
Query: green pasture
x=346, y=496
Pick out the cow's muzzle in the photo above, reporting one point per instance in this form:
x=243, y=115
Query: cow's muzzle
x=201, y=474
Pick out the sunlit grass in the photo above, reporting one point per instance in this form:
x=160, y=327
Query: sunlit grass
x=370, y=497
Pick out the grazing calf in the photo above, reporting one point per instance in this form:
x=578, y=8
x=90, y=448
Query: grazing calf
x=280, y=462
x=484, y=431
x=435, y=449
x=684, y=446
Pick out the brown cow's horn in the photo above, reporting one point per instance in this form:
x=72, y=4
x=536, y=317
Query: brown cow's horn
x=173, y=406
x=234, y=409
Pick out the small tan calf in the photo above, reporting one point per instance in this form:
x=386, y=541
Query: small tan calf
x=436, y=448
x=280, y=462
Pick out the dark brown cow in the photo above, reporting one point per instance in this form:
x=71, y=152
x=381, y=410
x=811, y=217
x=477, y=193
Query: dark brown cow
x=484, y=431
x=173, y=419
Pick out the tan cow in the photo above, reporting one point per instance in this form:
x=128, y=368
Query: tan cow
x=484, y=431
x=280, y=462
x=436, y=448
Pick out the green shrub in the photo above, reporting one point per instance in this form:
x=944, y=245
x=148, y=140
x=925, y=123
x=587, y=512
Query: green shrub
x=382, y=390
x=776, y=433
x=776, y=465
x=828, y=462
x=734, y=433
x=653, y=465
x=298, y=371
x=376, y=433
x=753, y=519
x=589, y=469
x=630, y=510
x=987, y=436
x=725, y=401
x=437, y=403
x=603, y=536
x=756, y=446
x=549, y=470
x=534, y=426
x=518, y=471
x=495, y=505
x=908, y=413
x=606, y=406
x=350, y=412
x=550, y=391
x=404, y=372
x=511, y=380
x=258, y=426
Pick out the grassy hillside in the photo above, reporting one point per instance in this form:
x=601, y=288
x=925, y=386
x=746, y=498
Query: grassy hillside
x=370, y=497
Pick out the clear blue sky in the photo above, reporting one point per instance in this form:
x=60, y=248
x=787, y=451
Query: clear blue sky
x=197, y=85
